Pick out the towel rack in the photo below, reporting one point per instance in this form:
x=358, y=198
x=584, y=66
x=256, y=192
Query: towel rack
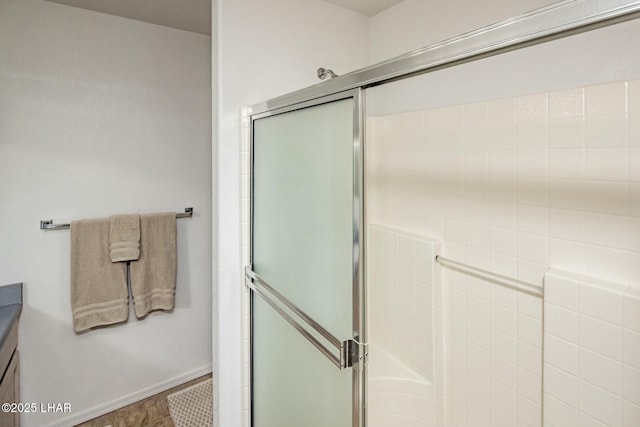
x=49, y=225
x=508, y=282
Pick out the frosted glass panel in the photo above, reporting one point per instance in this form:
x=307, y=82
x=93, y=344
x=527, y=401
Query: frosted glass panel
x=294, y=385
x=302, y=223
x=302, y=245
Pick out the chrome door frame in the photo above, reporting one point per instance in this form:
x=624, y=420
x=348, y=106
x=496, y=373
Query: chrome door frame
x=552, y=22
x=354, y=349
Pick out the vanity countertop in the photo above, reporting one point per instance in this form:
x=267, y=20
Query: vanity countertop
x=10, y=308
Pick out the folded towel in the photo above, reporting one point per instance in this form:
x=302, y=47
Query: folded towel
x=99, y=294
x=124, y=237
x=153, y=276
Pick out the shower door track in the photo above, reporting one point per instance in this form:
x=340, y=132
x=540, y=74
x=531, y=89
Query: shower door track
x=553, y=22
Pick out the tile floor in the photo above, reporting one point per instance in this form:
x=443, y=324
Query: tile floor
x=150, y=412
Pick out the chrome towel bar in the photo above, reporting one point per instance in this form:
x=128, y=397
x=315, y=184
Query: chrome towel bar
x=49, y=225
x=348, y=351
x=508, y=282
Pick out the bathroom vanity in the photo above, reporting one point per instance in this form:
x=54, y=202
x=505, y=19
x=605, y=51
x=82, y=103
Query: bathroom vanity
x=10, y=308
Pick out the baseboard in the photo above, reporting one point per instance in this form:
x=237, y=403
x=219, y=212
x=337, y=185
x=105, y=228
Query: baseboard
x=105, y=408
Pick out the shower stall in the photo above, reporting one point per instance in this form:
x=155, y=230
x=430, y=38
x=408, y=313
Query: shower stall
x=451, y=238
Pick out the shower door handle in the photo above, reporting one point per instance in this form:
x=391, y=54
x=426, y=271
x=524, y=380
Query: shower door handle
x=346, y=353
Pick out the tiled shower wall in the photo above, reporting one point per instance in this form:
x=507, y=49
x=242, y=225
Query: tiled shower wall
x=592, y=352
x=512, y=185
x=493, y=355
x=404, y=299
x=404, y=323
x=518, y=184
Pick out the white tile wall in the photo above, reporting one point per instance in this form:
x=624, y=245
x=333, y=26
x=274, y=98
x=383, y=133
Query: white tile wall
x=493, y=354
x=515, y=186
x=404, y=323
x=592, y=352
x=549, y=179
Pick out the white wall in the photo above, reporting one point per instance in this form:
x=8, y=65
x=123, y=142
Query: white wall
x=265, y=49
x=214, y=201
x=101, y=115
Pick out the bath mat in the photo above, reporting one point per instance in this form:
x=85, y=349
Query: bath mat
x=192, y=407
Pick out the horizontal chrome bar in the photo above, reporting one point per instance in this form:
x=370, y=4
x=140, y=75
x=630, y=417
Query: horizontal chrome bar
x=49, y=225
x=253, y=277
x=338, y=361
x=508, y=282
x=548, y=23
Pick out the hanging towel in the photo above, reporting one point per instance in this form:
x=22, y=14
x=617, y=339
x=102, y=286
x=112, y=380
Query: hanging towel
x=124, y=237
x=153, y=276
x=99, y=294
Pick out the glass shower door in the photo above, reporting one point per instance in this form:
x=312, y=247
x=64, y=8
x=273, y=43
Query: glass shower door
x=304, y=274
